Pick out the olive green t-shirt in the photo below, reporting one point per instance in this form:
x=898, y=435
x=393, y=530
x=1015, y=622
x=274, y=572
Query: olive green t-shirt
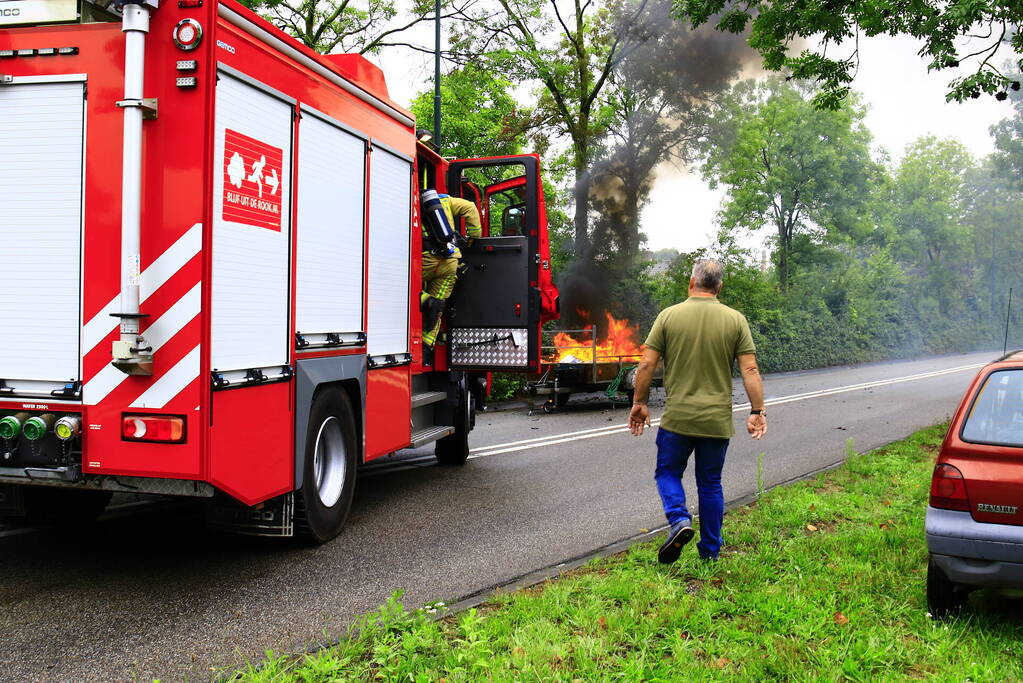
x=699, y=339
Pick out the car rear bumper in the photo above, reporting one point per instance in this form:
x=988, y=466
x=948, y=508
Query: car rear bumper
x=986, y=573
x=975, y=553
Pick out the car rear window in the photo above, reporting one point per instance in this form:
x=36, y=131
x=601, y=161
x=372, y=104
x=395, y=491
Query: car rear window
x=996, y=416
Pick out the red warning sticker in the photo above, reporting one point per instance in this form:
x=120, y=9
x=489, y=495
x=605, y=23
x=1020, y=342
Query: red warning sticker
x=252, y=181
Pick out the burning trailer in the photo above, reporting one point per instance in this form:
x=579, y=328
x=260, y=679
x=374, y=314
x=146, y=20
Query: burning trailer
x=589, y=360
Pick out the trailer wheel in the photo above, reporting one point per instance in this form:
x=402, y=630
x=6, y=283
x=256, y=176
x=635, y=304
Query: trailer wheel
x=454, y=450
x=322, y=505
x=63, y=507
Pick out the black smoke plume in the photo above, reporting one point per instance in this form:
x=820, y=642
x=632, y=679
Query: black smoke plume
x=662, y=94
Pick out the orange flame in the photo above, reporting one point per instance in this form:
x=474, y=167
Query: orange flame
x=618, y=343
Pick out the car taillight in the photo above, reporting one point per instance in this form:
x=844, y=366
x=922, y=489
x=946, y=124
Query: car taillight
x=159, y=428
x=948, y=489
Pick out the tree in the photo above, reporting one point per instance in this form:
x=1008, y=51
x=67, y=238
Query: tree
x=1008, y=135
x=776, y=24
x=787, y=164
x=1008, y=156
x=929, y=200
x=479, y=116
x=571, y=54
x=342, y=25
x=994, y=212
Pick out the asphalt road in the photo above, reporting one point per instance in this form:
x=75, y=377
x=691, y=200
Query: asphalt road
x=154, y=595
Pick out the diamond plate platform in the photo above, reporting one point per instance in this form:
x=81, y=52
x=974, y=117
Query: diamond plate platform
x=490, y=347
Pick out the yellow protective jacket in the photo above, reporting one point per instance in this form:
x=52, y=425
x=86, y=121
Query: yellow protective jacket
x=463, y=208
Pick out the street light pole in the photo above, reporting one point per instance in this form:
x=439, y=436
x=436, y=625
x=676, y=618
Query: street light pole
x=436, y=78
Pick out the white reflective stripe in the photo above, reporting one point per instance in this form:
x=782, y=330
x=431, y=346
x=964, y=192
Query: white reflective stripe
x=100, y=326
x=154, y=277
x=105, y=381
x=171, y=261
x=176, y=317
x=171, y=383
x=156, y=335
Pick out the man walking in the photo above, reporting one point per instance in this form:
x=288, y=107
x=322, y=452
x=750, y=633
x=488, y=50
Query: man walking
x=698, y=339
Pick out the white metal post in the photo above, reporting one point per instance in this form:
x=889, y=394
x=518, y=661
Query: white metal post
x=129, y=356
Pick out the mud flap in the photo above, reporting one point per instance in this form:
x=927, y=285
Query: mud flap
x=274, y=517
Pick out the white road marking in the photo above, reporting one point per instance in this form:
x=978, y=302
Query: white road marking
x=556, y=439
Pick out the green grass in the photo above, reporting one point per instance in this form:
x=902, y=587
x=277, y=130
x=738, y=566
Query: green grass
x=820, y=580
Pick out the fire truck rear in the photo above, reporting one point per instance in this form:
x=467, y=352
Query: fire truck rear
x=211, y=268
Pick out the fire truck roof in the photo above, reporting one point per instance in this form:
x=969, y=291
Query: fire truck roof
x=360, y=70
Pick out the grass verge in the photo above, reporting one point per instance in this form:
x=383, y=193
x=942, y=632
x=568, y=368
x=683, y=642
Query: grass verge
x=822, y=579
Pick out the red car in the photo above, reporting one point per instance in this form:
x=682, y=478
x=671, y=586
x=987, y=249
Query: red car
x=975, y=518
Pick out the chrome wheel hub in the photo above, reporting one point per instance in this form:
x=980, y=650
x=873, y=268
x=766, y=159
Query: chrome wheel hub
x=330, y=462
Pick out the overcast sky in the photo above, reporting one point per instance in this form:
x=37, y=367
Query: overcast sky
x=904, y=102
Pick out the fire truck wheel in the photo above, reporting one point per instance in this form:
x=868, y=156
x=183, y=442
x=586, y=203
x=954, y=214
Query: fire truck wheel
x=454, y=450
x=64, y=507
x=322, y=505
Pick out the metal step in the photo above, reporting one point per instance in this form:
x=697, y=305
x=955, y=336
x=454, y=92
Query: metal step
x=427, y=397
x=430, y=434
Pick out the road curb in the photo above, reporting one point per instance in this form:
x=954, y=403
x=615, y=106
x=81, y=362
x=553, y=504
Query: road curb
x=553, y=571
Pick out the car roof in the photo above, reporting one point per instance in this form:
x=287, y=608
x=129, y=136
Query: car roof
x=1011, y=359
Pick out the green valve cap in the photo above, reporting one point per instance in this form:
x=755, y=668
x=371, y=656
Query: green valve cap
x=36, y=427
x=9, y=427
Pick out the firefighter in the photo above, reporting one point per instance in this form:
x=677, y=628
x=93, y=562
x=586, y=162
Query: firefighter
x=440, y=264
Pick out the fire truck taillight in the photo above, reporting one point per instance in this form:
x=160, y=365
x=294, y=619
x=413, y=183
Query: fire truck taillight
x=188, y=34
x=157, y=428
x=67, y=427
x=37, y=426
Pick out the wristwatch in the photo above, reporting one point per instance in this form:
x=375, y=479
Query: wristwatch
x=761, y=412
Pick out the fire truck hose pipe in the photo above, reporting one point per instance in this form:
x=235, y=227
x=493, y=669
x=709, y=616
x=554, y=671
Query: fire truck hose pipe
x=135, y=26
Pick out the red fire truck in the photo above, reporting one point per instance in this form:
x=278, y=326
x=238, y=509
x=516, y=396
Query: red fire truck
x=211, y=268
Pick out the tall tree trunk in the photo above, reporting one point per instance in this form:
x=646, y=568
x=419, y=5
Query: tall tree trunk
x=583, y=180
x=784, y=244
x=581, y=137
x=630, y=229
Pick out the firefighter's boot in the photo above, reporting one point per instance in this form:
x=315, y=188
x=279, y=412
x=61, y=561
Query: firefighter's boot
x=433, y=308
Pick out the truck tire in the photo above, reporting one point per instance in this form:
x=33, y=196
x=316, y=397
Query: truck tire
x=944, y=598
x=453, y=450
x=64, y=507
x=331, y=458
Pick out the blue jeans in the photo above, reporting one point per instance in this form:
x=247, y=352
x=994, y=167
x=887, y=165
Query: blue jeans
x=673, y=451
